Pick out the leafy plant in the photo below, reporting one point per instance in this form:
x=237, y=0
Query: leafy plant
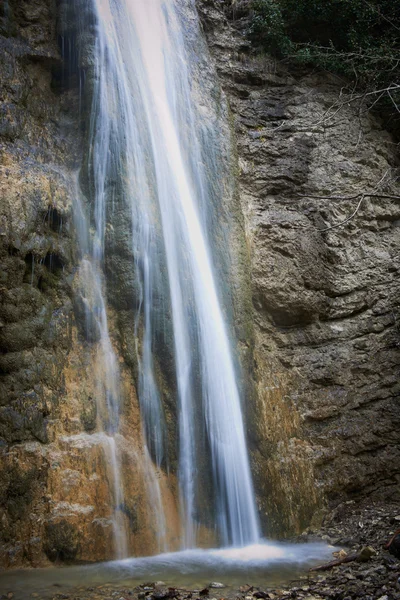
x=359, y=39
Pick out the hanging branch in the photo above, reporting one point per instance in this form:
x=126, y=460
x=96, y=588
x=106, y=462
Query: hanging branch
x=339, y=104
x=361, y=195
x=365, y=194
x=346, y=220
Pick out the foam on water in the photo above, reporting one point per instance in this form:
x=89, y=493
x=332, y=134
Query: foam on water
x=257, y=564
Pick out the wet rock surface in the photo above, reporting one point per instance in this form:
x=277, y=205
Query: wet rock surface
x=55, y=487
x=36, y=251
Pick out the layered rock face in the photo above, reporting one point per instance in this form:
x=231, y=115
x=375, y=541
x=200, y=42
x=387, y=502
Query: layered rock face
x=322, y=402
x=325, y=423
x=57, y=498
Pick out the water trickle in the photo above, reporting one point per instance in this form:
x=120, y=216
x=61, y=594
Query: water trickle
x=147, y=135
x=107, y=393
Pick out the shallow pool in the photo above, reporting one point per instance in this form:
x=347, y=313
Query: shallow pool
x=264, y=564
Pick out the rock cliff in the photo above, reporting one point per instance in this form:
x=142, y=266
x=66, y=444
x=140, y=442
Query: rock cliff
x=56, y=489
x=325, y=423
x=323, y=416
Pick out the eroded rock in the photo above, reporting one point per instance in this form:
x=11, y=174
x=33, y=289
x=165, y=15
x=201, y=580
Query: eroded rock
x=324, y=424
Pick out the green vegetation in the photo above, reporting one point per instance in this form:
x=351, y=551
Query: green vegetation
x=358, y=39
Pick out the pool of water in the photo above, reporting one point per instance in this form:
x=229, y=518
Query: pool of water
x=265, y=564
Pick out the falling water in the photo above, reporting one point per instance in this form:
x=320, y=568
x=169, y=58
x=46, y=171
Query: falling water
x=107, y=394
x=147, y=146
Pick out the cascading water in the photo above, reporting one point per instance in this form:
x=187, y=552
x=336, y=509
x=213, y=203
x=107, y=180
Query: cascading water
x=148, y=147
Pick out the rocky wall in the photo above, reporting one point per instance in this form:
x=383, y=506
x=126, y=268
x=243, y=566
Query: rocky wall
x=325, y=424
x=57, y=500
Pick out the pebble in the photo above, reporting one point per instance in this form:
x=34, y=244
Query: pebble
x=245, y=589
x=216, y=584
x=366, y=553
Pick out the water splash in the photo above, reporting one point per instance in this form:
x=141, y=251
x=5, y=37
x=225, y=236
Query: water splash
x=262, y=564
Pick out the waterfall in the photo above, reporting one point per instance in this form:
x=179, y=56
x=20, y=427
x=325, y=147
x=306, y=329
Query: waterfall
x=148, y=147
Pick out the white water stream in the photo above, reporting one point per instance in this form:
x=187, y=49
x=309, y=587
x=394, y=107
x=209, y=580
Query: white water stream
x=146, y=136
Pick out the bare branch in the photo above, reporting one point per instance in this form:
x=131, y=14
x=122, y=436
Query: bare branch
x=382, y=16
x=363, y=194
x=394, y=103
x=346, y=220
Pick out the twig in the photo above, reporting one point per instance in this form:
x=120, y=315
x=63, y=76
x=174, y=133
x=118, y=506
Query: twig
x=346, y=220
x=374, y=8
x=336, y=563
x=364, y=194
x=361, y=195
x=331, y=51
x=393, y=100
x=337, y=106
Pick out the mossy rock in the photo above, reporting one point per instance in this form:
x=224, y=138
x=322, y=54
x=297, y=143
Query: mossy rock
x=89, y=413
x=61, y=541
x=129, y=510
x=17, y=491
